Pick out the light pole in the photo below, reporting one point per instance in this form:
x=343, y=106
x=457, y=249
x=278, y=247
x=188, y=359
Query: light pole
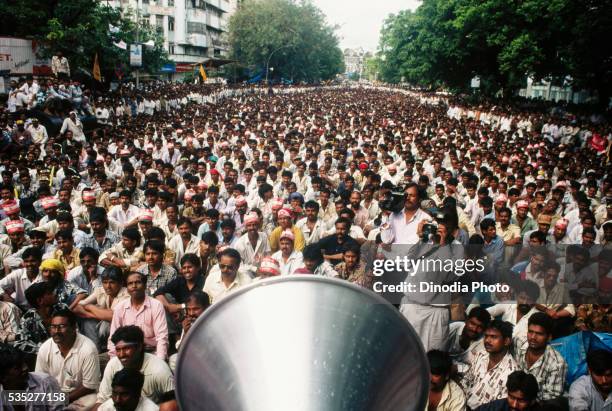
x=270, y=56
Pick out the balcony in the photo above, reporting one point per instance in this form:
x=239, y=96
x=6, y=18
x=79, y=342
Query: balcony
x=196, y=39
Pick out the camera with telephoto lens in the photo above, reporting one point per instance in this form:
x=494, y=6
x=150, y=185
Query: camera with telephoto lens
x=393, y=200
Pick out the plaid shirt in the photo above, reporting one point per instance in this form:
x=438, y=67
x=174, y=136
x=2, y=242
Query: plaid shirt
x=482, y=385
x=549, y=370
x=166, y=274
x=32, y=331
x=110, y=239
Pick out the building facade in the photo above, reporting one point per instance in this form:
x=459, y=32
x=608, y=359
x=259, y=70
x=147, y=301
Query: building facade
x=193, y=30
x=354, y=61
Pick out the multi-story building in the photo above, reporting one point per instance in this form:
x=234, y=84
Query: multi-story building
x=193, y=30
x=354, y=61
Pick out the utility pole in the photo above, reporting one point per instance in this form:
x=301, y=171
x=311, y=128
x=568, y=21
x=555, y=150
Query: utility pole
x=138, y=3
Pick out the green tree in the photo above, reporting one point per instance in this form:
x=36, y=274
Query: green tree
x=447, y=42
x=80, y=29
x=293, y=38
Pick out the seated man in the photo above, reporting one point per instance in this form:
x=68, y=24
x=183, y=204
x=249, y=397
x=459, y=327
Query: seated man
x=53, y=272
x=156, y=272
x=485, y=380
x=522, y=394
x=145, y=312
x=444, y=393
x=127, y=393
x=465, y=338
x=333, y=244
x=129, y=343
x=66, y=251
x=195, y=305
x=174, y=294
x=86, y=275
x=33, y=326
x=227, y=278
x=14, y=376
x=593, y=391
x=99, y=306
x=19, y=280
x=126, y=254
x=72, y=359
x=9, y=321
x=517, y=314
x=539, y=359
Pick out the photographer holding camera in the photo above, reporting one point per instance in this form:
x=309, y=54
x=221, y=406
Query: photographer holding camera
x=428, y=310
x=403, y=223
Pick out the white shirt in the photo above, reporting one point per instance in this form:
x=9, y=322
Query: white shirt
x=144, y=404
x=158, y=378
x=294, y=261
x=249, y=254
x=314, y=235
x=16, y=283
x=215, y=287
x=121, y=217
x=400, y=231
x=176, y=245
x=80, y=366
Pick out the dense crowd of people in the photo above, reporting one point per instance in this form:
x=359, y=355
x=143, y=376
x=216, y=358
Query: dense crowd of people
x=115, y=239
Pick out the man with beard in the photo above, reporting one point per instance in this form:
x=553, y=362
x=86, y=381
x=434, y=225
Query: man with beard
x=126, y=393
x=185, y=242
x=72, y=359
x=522, y=394
x=539, y=359
x=444, y=393
x=517, y=314
x=594, y=391
x=253, y=245
x=130, y=346
x=362, y=217
x=401, y=227
x=465, y=338
x=53, y=271
x=311, y=225
x=14, y=376
x=333, y=245
x=485, y=381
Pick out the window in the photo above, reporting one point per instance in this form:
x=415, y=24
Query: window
x=170, y=23
x=199, y=28
x=198, y=4
x=170, y=3
x=171, y=49
x=159, y=21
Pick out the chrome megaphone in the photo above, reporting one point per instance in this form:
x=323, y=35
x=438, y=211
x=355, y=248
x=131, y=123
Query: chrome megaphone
x=302, y=343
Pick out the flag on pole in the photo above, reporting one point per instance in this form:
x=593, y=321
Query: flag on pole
x=203, y=73
x=96, y=69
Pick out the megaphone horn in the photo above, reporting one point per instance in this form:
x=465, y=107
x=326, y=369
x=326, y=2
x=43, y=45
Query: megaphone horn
x=302, y=343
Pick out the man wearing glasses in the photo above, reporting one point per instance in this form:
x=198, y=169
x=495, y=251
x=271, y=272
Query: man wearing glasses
x=72, y=359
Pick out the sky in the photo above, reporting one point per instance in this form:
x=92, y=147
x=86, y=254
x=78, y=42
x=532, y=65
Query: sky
x=360, y=20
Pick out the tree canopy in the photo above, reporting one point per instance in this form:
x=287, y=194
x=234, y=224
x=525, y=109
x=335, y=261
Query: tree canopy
x=80, y=29
x=447, y=42
x=294, y=38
